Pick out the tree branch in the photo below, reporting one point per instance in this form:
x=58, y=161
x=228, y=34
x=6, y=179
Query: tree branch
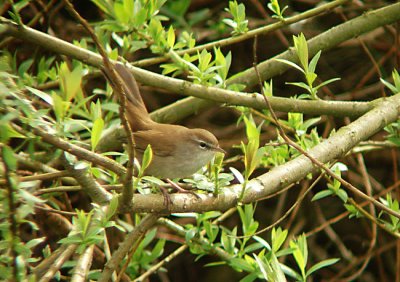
x=331, y=149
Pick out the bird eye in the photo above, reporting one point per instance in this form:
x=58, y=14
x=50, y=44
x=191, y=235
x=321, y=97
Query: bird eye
x=203, y=145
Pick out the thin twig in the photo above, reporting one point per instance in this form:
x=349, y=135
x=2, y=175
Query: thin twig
x=118, y=88
x=316, y=162
x=250, y=34
x=181, y=249
x=129, y=258
x=74, y=149
x=147, y=222
x=44, y=176
x=371, y=217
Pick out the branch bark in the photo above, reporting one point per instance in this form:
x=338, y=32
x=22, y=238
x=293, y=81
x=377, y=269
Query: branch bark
x=331, y=149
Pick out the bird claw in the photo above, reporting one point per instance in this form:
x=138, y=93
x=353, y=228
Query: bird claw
x=179, y=189
x=167, y=198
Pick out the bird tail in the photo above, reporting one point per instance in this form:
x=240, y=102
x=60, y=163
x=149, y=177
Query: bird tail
x=136, y=112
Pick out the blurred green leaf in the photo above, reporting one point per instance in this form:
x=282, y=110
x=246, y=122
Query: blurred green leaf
x=97, y=130
x=9, y=158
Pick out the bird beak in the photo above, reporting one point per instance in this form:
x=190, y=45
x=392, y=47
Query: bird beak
x=219, y=149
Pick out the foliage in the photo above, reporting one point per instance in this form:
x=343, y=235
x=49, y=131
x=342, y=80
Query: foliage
x=17, y=204
x=307, y=68
x=239, y=22
x=276, y=9
x=66, y=99
x=394, y=128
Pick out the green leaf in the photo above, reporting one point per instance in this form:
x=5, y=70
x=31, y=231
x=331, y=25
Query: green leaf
x=321, y=264
x=274, y=7
x=34, y=242
x=300, y=44
x=310, y=77
x=230, y=22
x=396, y=79
x=299, y=84
x=59, y=106
x=291, y=272
x=190, y=234
x=290, y=64
x=313, y=63
x=157, y=251
x=208, y=215
x=241, y=264
x=263, y=267
x=278, y=237
x=300, y=253
x=239, y=22
x=262, y=242
x=7, y=132
x=19, y=5
x=322, y=194
x=97, y=129
x=44, y=96
x=342, y=195
x=178, y=7
x=211, y=230
x=70, y=81
x=228, y=240
x=9, y=158
x=171, y=37
x=252, y=131
x=24, y=67
x=251, y=248
x=326, y=82
x=391, y=87
x=204, y=60
x=154, y=180
x=237, y=175
x=95, y=110
x=148, y=238
x=105, y=6
x=147, y=158
x=354, y=212
x=310, y=122
x=129, y=8
x=112, y=208
x=120, y=13
x=224, y=62
x=277, y=272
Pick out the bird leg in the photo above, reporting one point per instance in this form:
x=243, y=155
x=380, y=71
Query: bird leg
x=167, y=198
x=180, y=189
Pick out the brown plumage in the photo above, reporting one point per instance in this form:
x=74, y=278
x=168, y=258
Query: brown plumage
x=177, y=151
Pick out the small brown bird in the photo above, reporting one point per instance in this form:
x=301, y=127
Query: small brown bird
x=177, y=150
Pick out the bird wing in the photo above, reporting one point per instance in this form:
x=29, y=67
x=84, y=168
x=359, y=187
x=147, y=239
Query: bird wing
x=154, y=137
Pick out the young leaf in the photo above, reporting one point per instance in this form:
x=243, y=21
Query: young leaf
x=322, y=194
x=313, y=63
x=9, y=158
x=300, y=45
x=147, y=158
x=290, y=64
x=278, y=237
x=97, y=129
x=171, y=37
x=237, y=175
x=44, y=96
x=321, y=264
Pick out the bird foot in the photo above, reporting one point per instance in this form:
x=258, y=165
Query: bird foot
x=179, y=189
x=167, y=198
